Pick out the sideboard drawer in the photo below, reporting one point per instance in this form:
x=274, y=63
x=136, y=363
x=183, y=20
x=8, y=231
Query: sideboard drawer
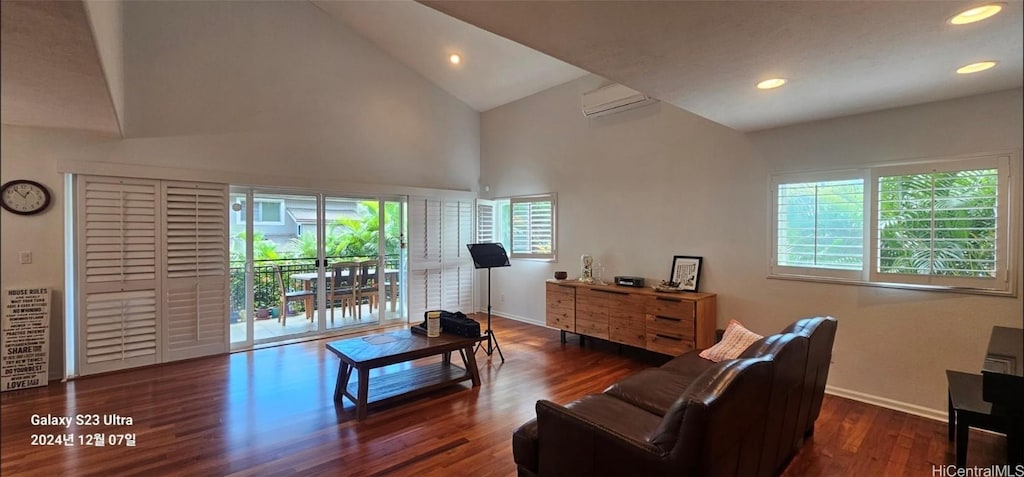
x=675, y=327
x=670, y=306
x=665, y=344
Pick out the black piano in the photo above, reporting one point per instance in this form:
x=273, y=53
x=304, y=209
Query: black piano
x=1003, y=385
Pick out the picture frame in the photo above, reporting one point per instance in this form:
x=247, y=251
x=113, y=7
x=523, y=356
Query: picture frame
x=686, y=272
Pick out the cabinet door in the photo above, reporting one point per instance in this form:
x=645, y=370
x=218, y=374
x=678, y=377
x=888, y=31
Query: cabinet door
x=626, y=321
x=592, y=312
x=561, y=307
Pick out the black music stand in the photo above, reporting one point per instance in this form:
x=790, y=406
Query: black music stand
x=489, y=255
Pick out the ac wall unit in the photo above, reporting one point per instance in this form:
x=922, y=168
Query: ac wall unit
x=613, y=99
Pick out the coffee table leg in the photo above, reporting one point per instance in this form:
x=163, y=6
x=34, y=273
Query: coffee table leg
x=364, y=393
x=342, y=382
x=474, y=372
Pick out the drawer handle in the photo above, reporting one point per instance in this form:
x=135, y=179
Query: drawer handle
x=669, y=318
x=674, y=300
x=673, y=338
x=613, y=292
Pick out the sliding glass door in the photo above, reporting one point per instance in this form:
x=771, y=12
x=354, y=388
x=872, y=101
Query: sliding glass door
x=304, y=263
x=363, y=251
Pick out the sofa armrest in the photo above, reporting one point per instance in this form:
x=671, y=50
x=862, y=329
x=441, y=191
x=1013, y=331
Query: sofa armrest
x=524, y=446
x=572, y=443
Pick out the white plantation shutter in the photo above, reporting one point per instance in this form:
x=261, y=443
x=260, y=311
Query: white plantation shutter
x=119, y=330
x=533, y=226
x=485, y=229
x=440, y=268
x=117, y=273
x=942, y=223
x=424, y=256
x=457, y=272
x=465, y=262
x=821, y=224
x=195, y=286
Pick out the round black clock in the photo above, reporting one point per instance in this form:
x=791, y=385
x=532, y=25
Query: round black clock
x=24, y=197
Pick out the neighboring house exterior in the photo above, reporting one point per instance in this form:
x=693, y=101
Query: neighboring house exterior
x=282, y=218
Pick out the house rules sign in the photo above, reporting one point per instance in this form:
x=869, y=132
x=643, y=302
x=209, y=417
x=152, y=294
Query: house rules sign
x=26, y=338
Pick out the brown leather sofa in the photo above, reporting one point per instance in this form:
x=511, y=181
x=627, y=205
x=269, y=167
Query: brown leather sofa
x=746, y=416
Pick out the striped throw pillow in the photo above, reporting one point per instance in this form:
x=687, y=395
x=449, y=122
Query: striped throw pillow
x=735, y=339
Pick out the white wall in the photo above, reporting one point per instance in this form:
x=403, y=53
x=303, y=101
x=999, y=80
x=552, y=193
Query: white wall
x=264, y=93
x=634, y=189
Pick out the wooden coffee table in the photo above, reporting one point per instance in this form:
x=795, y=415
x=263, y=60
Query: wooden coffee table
x=374, y=351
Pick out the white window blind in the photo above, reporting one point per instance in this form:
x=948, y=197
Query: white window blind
x=117, y=239
x=533, y=226
x=151, y=271
x=821, y=224
x=485, y=227
x=195, y=303
x=941, y=225
x=440, y=269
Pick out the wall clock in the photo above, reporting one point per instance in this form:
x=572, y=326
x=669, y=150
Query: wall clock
x=24, y=197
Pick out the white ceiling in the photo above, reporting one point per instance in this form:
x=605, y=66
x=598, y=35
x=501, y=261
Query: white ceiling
x=494, y=70
x=842, y=57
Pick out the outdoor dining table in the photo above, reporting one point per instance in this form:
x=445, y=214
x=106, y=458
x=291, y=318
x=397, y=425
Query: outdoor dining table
x=309, y=278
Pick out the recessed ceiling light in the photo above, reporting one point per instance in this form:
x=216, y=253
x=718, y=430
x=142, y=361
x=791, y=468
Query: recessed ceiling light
x=455, y=58
x=771, y=83
x=976, y=14
x=976, y=67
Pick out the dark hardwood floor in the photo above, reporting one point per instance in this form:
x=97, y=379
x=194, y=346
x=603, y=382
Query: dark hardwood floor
x=270, y=412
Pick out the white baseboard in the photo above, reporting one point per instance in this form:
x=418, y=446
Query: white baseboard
x=934, y=414
x=513, y=317
x=888, y=403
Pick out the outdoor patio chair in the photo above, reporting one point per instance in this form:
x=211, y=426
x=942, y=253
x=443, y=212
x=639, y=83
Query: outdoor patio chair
x=368, y=282
x=342, y=289
x=306, y=296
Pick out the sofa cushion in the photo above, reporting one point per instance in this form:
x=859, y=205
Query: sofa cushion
x=616, y=415
x=689, y=363
x=735, y=340
x=653, y=390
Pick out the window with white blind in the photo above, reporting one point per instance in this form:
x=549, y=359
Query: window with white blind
x=820, y=225
x=525, y=225
x=935, y=225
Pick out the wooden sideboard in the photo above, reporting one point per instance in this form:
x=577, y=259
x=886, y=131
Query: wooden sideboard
x=668, y=323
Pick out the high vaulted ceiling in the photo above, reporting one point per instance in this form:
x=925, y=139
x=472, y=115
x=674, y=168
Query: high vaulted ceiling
x=51, y=74
x=841, y=57
x=494, y=70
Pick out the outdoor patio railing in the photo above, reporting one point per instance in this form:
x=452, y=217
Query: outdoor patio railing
x=267, y=294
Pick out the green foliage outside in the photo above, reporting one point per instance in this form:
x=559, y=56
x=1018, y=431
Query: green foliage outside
x=941, y=223
x=346, y=238
x=821, y=224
